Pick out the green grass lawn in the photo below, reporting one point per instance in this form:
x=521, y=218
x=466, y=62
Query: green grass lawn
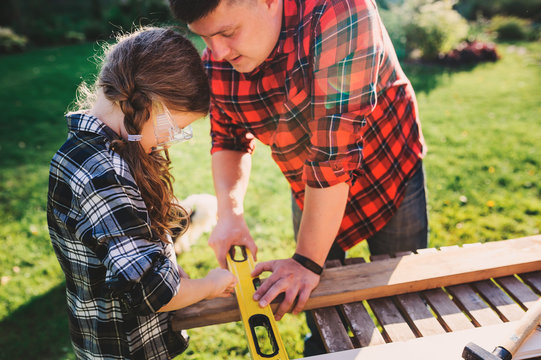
x=482, y=126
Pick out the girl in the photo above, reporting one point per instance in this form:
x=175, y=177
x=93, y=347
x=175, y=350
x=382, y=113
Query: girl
x=111, y=202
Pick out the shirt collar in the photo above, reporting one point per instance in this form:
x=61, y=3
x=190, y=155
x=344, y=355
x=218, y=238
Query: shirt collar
x=81, y=122
x=290, y=22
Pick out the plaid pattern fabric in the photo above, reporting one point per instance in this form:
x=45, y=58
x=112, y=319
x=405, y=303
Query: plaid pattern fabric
x=333, y=104
x=117, y=277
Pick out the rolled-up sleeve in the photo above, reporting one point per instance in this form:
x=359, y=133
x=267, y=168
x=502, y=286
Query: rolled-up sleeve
x=226, y=135
x=347, y=52
x=115, y=226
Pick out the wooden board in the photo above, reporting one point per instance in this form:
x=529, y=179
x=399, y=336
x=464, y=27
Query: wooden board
x=450, y=316
x=392, y=277
x=330, y=325
x=520, y=292
x=468, y=300
x=395, y=327
x=364, y=330
x=448, y=346
x=425, y=324
x=499, y=300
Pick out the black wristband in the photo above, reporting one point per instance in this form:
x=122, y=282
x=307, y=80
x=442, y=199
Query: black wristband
x=307, y=263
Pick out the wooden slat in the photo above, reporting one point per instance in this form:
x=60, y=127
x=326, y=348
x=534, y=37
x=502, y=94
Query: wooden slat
x=395, y=326
x=447, y=346
x=392, y=277
x=427, y=251
x=450, y=247
x=379, y=257
x=499, y=300
x=480, y=313
x=330, y=325
x=362, y=326
x=450, y=316
x=533, y=279
x=365, y=331
x=415, y=308
x=334, y=335
x=520, y=292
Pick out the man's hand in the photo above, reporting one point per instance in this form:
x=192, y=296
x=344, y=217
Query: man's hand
x=228, y=232
x=287, y=276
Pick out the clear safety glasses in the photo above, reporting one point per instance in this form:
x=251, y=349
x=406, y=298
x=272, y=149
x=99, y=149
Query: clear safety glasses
x=167, y=132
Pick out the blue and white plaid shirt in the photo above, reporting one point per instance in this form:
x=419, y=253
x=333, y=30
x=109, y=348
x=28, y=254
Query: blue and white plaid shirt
x=117, y=273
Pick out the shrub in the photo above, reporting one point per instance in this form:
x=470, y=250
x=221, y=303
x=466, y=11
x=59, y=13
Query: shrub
x=65, y=21
x=430, y=26
x=470, y=52
x=74, y=37
x=510, y=28
x=11, y=42
x=473, y=9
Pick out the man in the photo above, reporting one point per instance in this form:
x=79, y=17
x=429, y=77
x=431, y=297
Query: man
x=319, y=82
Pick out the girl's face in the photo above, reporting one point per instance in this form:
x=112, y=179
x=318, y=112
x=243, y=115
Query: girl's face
x=166, y=127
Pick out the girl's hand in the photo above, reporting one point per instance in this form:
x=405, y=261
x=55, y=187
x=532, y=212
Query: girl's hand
x=222, y=283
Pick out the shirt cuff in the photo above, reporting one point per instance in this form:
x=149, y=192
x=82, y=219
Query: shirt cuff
x=327, y=173
x=155, y=289
x=246, y=144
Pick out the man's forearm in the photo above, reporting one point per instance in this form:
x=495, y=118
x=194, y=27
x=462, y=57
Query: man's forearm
x=321, y=218
x=231, y=172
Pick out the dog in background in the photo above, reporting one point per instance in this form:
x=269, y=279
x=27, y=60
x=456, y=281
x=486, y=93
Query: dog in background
x=202, y=209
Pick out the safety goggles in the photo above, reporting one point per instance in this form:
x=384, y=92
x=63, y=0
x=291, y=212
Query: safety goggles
x=167, y=132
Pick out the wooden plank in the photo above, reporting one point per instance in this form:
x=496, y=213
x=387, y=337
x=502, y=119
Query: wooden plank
x=480, y=313
x=449, y=315
x=379, y=257
x=450, y=247
x=427, y=251
x=394, y=325
x=520, y=292
x=447, y=346
x=533, y=279
x=417, y=310
x=364, y=330
x=330, y=326
x=499, y=300
x=391, y=277
x=403, y=253
x=414, y=309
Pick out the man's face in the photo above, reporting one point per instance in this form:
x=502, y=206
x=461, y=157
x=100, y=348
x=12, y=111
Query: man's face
x=242, y=33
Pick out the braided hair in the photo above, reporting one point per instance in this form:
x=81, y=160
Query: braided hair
x=143, y=68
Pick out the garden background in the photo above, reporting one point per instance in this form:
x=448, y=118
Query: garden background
x=481, y=120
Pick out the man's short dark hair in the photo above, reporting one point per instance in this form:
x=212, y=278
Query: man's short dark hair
x=189, y=11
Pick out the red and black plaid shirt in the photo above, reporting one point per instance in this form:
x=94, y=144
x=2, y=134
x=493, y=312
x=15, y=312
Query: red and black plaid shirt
x=333, y=104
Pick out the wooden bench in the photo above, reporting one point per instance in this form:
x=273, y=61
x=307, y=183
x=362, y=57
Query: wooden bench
x=405, y=300
x=421, y=322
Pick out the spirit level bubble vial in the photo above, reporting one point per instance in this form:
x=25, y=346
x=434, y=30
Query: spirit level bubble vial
x=263, y=338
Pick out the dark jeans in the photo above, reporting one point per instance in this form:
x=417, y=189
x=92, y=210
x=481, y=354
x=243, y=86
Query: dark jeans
x=406, y=231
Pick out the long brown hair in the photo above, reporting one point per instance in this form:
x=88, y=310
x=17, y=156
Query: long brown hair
x=144, y=67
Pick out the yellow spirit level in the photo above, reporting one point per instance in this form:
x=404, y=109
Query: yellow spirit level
x=263, y=338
